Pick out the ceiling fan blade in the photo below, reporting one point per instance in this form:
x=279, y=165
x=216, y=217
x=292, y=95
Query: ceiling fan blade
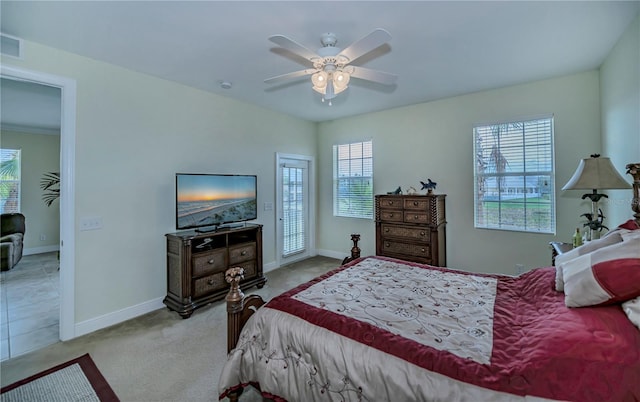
x=288, y=76
x=293, y=46
x=373, y=75
x=363, y=46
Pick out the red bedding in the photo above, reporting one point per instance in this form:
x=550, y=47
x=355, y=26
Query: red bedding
x=540, y=347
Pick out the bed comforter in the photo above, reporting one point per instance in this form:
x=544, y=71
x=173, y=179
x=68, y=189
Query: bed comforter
x=380, y=329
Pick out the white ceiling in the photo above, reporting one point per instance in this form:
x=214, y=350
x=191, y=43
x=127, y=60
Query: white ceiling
x=438, y=48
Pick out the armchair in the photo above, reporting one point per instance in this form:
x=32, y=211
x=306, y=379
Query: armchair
x=12, y=228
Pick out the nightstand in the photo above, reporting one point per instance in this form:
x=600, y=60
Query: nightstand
x=557, y=248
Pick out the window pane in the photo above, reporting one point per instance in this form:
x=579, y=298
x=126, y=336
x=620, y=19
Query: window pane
x=353, y=180
x=514, y=176
x=10, y=180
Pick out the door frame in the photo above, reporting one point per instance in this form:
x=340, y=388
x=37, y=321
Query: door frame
x=311, y=226
x=67, y=187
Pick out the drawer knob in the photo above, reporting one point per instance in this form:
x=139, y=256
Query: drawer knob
x=386, y=230
x=415, y=217
x=243, y=253
x=391, y=215
x=386, y=244
x=415, y=203
x=422, y=233
x=423, y=250
x=390, y=202
x=210, y=282
x=211, y=261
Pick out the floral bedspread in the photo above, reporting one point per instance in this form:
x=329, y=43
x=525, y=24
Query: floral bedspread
x=380, y=329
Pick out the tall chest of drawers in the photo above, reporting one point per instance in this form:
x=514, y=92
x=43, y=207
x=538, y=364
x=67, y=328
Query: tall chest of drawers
x=412, y=228
x=196, y=264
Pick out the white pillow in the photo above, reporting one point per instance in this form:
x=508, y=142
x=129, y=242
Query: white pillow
x=607, y=240
x=605, y=276
x=632, y=310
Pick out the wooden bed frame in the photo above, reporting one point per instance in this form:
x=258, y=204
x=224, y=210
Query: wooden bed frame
x=240, y=308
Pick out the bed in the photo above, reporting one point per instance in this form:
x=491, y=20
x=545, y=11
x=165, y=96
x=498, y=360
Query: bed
x=380, y=329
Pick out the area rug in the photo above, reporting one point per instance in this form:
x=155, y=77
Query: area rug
x=74, y=381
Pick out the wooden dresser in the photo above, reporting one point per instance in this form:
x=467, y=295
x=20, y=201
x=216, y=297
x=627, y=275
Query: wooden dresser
x=196, y=263
x=412, y=228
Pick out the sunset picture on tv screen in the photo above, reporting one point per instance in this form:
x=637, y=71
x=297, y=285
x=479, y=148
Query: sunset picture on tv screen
x=209, y=200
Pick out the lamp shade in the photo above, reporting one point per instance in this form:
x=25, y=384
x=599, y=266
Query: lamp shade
x=596, y=173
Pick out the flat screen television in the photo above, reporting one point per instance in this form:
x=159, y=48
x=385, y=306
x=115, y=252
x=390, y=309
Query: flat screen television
x=205, y=202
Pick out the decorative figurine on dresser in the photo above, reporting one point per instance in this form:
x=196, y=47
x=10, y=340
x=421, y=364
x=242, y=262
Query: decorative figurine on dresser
x=412, y=227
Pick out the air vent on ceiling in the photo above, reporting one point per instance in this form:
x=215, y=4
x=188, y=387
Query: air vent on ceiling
x=10, y=46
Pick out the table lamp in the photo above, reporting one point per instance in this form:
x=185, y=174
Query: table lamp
x=595, y=173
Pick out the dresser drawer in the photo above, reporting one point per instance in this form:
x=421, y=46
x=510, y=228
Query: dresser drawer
x=208, y=263
x=413, y=233
x=391, y=215
x=208, y=284
x=417, y=217
x=249, y=268
x=389, y=202
x=242, y=252
x=416, y=204
x=399, y=247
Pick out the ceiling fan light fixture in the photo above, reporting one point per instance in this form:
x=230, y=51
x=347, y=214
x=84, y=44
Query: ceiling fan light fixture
x=340, y=81
x=319, y=81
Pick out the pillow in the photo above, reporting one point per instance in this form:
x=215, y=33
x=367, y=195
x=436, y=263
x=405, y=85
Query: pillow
x=632, y=310
x=631, y=224
x=588, y=247
x=605, y=276
x=629, y=234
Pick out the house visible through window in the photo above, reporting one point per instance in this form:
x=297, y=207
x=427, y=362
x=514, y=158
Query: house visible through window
x=353, y=180
x=9, y=180
x=514, y=176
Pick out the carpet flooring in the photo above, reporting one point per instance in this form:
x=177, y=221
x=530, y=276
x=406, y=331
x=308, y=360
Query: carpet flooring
x=160, y=356
x=77, y=380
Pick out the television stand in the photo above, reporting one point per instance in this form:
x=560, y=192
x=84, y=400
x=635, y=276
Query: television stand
x=196, y=265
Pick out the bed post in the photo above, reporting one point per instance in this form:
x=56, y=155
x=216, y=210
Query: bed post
x=355, y=250
x=634, y=170
x=235, y=304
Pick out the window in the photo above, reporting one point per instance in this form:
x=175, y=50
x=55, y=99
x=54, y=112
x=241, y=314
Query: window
x=353, y=180
x=9, y=180
x=514, y=176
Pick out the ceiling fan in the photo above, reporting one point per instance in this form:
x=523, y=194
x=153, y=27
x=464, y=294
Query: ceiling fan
x=332, y=68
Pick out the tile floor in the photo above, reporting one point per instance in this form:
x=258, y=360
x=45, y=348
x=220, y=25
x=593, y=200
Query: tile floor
x=29, y=305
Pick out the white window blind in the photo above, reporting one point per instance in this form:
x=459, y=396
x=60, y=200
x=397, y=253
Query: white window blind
x=293, y=204
x=10, y=180
x=353, y=180
x=515, y=176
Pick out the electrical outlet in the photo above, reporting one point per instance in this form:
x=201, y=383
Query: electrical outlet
x=43, y=237
x=91, y=223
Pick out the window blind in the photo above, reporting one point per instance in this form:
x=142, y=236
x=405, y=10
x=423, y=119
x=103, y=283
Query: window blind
x=353, y=180
x=514, y=176
x=10, y=178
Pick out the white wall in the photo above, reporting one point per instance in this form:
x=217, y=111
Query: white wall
x=620, y=100
x=133, y=133
x=434, y=140
x=40, y=154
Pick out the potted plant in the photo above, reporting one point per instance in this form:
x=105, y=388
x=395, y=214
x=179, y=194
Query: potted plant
x=50, y=184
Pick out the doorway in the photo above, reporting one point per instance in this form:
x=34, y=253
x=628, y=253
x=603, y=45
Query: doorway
x=67, y=187
x=295, y=206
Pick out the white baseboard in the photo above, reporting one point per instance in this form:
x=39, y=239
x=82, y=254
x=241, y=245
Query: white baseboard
x=333, y=254
x=116, y=317
x=107, y=320
x=40, y=250
x=270, y=267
